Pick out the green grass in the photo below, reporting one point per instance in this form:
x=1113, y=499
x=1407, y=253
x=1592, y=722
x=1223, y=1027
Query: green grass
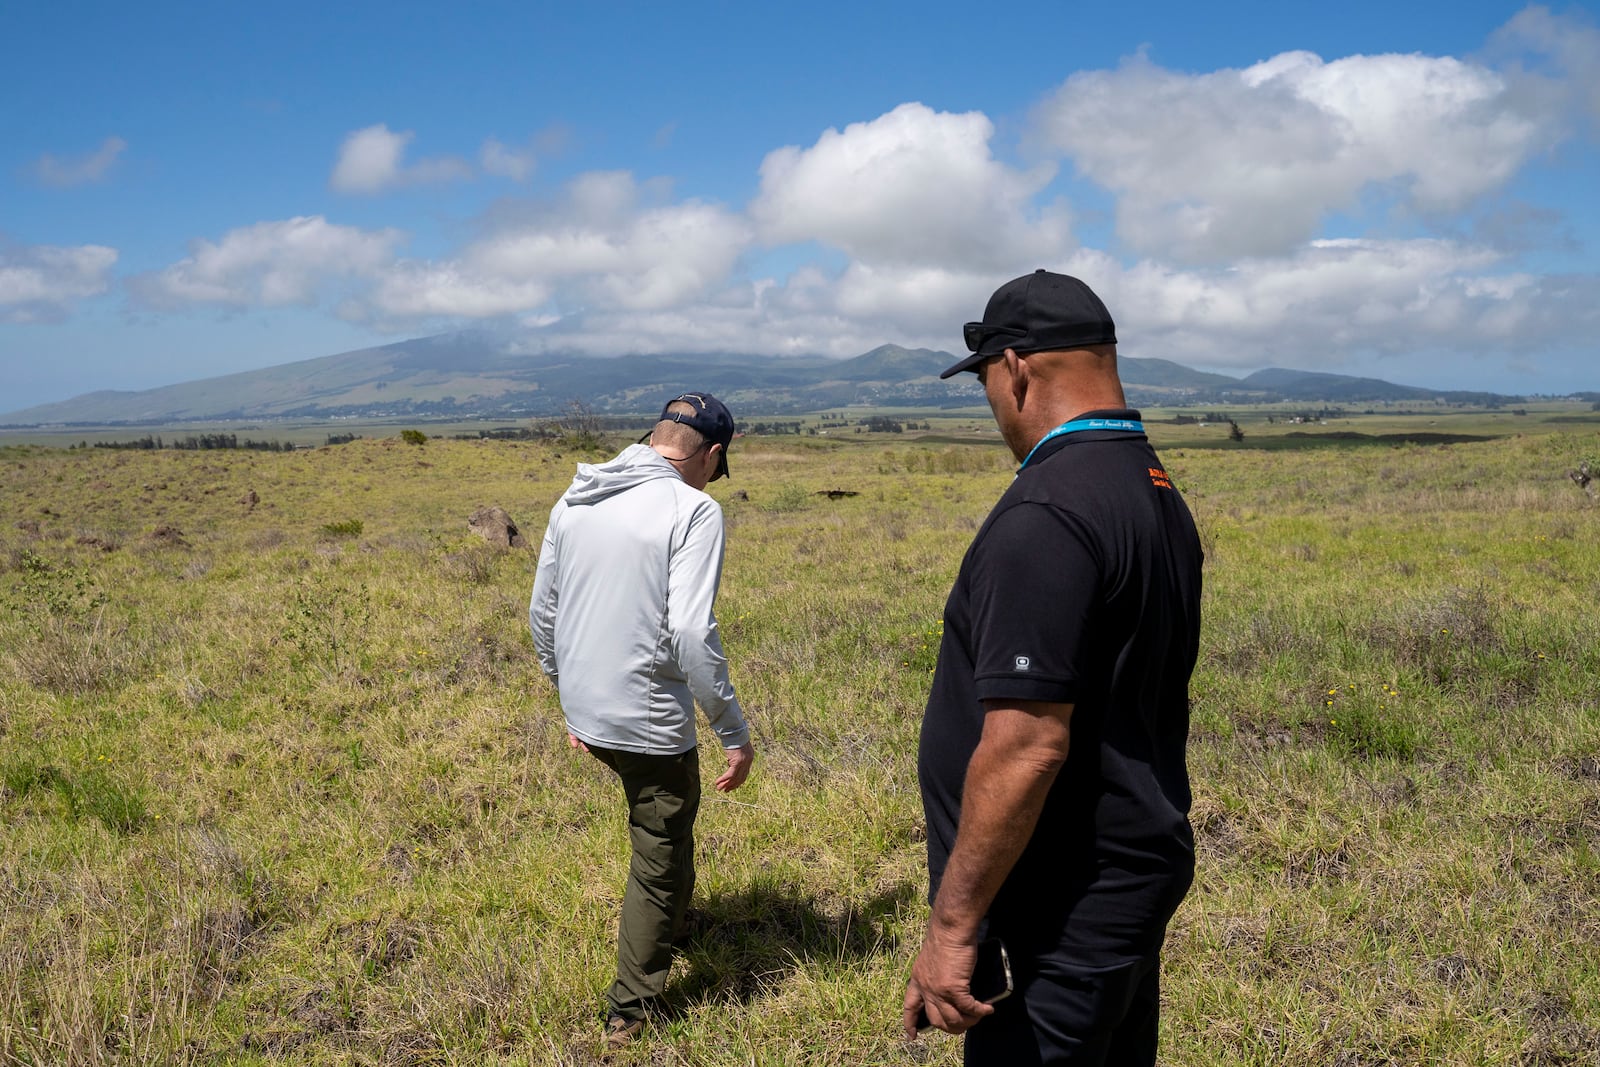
x=282, y=783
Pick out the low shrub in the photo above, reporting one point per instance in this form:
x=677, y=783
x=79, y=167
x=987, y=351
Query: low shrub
x=346, y=528
x=788, y=497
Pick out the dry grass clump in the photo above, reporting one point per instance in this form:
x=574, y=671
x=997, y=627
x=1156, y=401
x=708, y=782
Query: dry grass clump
x=78, y=661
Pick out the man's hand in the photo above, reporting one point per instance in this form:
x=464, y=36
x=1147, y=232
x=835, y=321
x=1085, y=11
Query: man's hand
x=739, y=761
x=573, y=741
x=941, y=984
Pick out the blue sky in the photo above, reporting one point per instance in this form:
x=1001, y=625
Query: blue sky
x=1406, y=191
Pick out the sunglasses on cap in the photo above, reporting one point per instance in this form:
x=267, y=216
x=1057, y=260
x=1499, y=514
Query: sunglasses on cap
x=977, y=334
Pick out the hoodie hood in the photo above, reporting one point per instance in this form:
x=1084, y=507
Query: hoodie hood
x=633, y=466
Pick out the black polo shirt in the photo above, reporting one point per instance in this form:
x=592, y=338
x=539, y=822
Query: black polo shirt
x=1082, y=587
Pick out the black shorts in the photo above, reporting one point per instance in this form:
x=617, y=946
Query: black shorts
x=1061, y=1014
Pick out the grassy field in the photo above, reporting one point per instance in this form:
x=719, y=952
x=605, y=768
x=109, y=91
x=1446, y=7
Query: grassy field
x=281, y=782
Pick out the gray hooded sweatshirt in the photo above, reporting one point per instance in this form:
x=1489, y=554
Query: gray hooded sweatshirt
x=622, y=608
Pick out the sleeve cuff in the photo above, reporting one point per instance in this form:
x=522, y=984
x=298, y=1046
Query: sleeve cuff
x=1027, y=687
x=739, y=735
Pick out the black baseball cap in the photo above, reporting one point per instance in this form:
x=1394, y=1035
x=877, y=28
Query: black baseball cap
x=711, y=417
x=1038, y=312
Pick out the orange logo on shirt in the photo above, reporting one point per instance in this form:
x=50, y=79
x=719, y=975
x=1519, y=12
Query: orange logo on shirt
x=1158, y=478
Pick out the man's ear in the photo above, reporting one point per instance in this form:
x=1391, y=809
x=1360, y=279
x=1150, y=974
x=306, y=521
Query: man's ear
x=1017, y=367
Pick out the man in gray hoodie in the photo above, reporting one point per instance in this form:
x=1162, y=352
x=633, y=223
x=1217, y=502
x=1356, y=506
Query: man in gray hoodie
x=623, y=623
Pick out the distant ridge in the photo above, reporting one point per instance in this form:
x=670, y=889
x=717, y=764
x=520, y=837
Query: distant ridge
x=473, y=374
x=1165, y=374
x=1341, y=388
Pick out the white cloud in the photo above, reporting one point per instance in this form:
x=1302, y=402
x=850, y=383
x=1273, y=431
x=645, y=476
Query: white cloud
x=808, y=313
x=270, y=264
x=1322, y=307
x=449, y=290
x=371, y=160
x=598, y=244
x=913, y=186
x=1251, y=162
x=1335, y=299
x=79, y=170
x=660, y=257
x=41, y=283
x=1568, y=47
x=505, y=162
x=797, y=318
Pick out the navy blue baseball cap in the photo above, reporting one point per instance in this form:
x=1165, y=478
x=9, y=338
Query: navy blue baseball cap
x=711, y=417
x=1038, y=312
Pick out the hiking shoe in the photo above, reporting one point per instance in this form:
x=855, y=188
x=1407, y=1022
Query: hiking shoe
x=621, y=1031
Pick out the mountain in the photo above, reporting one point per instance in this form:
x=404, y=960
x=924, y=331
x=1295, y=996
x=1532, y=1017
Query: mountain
x=1165, y=375
x=473, y=374
x=1342, y=388
x=468, y=374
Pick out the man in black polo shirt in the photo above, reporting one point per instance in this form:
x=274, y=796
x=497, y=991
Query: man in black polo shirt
x=1052, y=754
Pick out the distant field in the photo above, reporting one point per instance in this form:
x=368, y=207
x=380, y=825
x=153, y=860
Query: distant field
x=1264, y=426
x=282, y=783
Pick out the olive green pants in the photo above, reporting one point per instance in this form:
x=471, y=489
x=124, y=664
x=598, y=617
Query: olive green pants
x=663, y=797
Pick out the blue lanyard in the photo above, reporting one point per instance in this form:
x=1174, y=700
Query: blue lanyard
x=1079, y=425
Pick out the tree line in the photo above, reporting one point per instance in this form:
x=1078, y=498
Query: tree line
x=197, y=443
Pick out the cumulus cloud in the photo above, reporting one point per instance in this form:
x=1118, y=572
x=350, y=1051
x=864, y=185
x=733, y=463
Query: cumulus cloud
x=411, y=290
x=270, y=264
x=1326, y=306
x=41, y=283
x=914, y=186
x=811, y=312
x=598, y=243
x=799, y=316
x=79, y=170
x=372, y=160
x=1251, y=162
x=1335, y=299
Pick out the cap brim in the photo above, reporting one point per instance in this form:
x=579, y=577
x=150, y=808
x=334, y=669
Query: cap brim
x=966, y=364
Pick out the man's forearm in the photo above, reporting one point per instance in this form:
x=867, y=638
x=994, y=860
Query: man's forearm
x=1008, y=779
x=705, y=667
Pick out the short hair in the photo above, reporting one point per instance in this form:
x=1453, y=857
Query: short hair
x=676, y=435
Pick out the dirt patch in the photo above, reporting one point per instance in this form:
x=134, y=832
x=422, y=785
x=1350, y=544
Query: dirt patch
x=1452, y=970
x=168, y=536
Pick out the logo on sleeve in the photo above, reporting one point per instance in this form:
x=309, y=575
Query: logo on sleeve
x=1023, y=663
x=1158, y=478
